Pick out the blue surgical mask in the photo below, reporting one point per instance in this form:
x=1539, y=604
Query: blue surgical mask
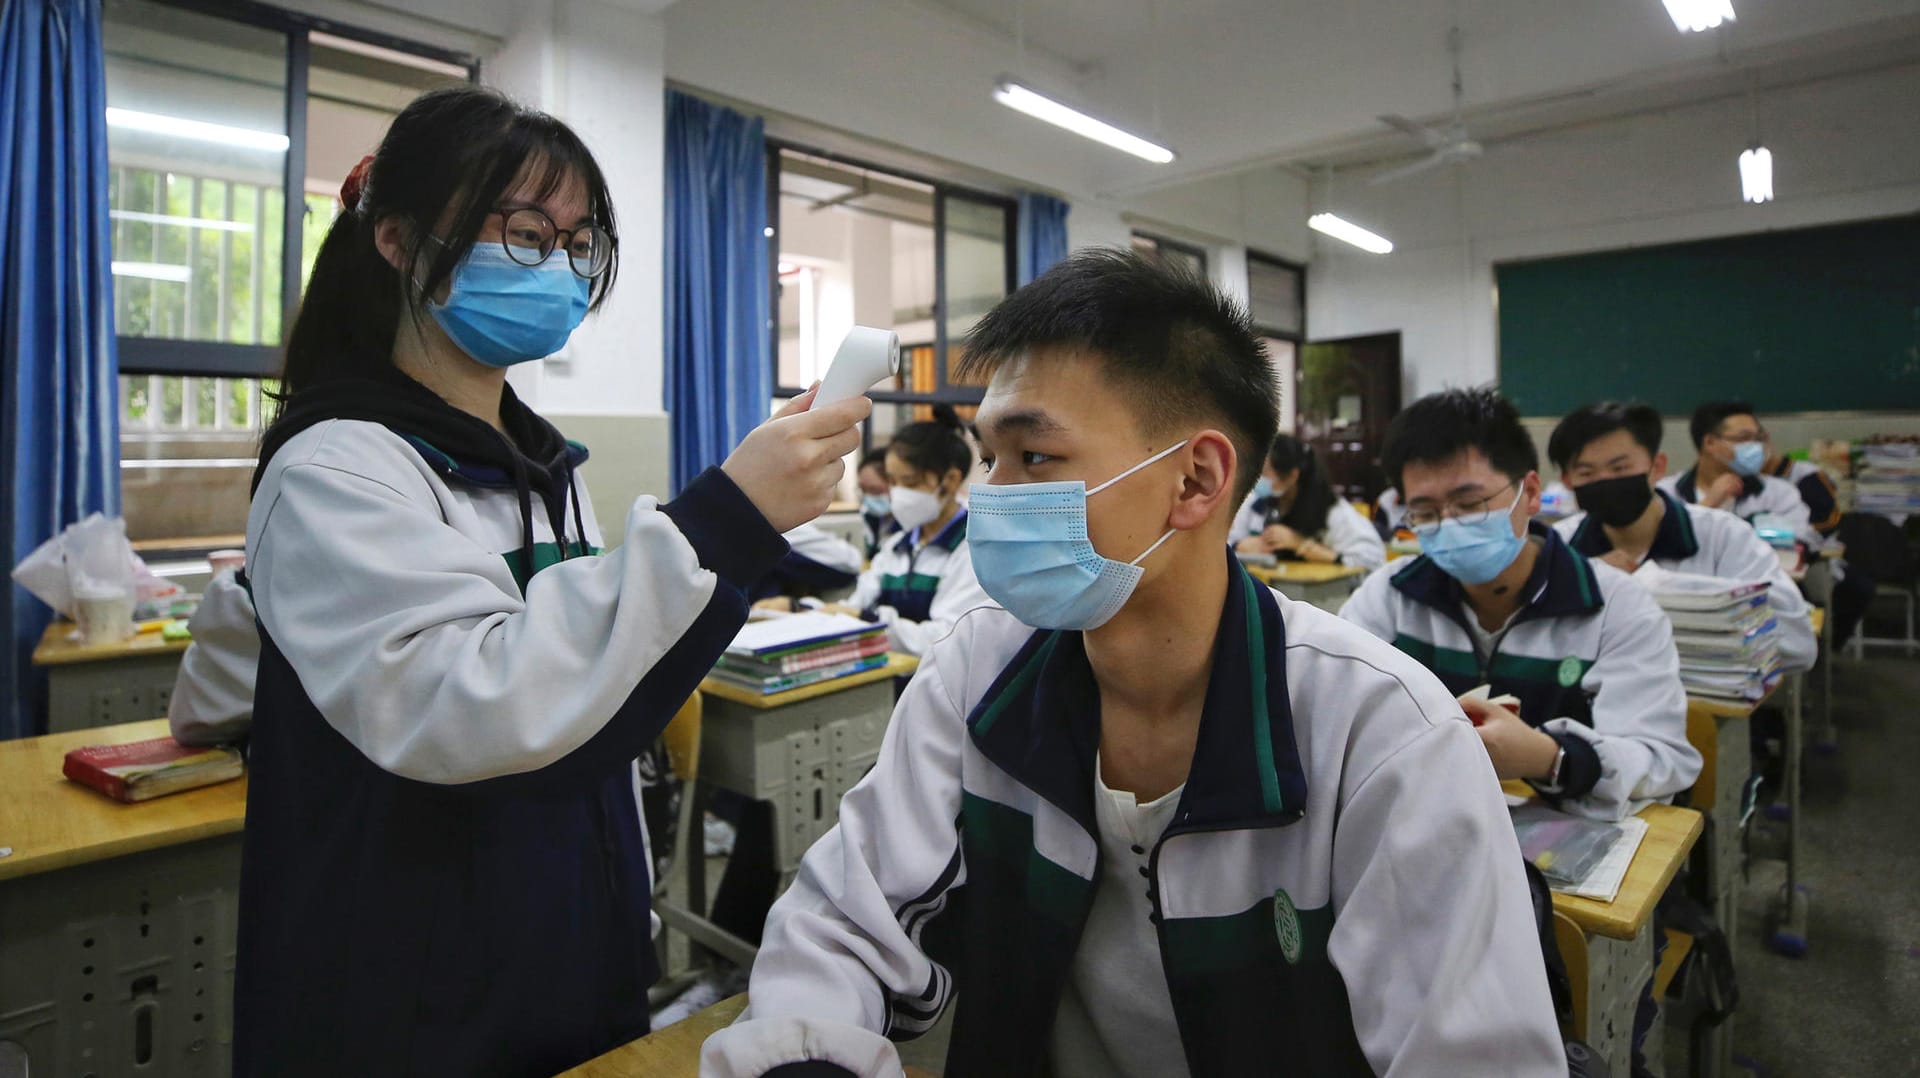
x=502, y=313
x=1748, y=458
x=1476, y=552
x=1262, y=488
x=875, y=505
x=1031, y=552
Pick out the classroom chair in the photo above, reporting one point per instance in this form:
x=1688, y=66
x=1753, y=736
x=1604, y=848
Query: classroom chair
x=682, y=739
x=1878, y=548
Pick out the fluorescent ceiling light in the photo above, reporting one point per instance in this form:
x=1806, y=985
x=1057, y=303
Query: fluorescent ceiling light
x=1348, y=232
x=1040, y=107
x=197, y=130
x=153, y=271
x=1756, y=175
x=1699, y=15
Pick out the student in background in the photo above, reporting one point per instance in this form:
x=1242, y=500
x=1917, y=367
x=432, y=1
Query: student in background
x=445, y=868
x=1609, y=453
x=876, y=508
x=212, y=701
x=1818, y=491
x=1151, y=819
x=1498, y=600
x=1294, y=513
x=922, y=579
x=1732, y=450
x=817, y=562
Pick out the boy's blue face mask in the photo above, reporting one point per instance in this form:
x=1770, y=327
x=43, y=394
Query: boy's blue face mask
x=1748, y=459
x=1474, y=552
x=502, y=313
x=1032, y=554
x=875, y=505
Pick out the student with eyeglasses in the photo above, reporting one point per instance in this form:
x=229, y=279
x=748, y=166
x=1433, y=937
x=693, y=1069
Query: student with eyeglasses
x=445, y=870
x=1495, y=599
x=1730, y=474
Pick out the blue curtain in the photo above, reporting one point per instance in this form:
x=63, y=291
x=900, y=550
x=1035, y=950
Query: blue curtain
x=719, y=376
x=1042, y=234
x=59, y=401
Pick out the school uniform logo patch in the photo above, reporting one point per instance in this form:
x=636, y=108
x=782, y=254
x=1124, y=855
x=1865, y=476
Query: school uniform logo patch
x=1569, y=672
x=1286, y=927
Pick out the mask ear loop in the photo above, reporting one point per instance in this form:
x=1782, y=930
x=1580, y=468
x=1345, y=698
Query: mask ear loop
x=1155, y=459
x=1156, y=546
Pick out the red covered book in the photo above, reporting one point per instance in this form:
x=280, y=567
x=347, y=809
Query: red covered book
x=140, y=770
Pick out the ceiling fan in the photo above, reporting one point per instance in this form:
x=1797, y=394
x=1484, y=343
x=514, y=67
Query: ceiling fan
x=1449, y=145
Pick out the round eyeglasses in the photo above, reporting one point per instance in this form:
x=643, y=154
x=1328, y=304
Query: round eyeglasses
x=530, y=237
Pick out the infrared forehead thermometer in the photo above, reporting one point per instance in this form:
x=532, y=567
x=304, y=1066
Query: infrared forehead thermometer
x=865, y=357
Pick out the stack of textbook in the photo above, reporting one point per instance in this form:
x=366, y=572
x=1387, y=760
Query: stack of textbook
x=1889, y=481
x=1726, y=633
x=784, y=653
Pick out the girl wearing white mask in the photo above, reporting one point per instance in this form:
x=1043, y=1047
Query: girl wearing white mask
x=1294, y=514
x=922, y=578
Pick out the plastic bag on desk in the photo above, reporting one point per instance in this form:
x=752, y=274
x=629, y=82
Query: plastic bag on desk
x=88, y=573
x=1564, y=848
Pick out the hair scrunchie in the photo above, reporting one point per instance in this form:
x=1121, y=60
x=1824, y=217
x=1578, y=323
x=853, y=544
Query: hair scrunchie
x=355, y=184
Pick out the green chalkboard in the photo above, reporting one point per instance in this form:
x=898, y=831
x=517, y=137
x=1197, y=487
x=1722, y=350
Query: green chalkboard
x=1809, y=320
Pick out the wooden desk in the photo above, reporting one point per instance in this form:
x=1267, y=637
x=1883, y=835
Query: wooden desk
x=51, y=823
x=801, y=750
x=1617, y=936
x=1671, y=834
x=674, y=1051
x=1325, y=585
x=105, y=684
x=111, y=912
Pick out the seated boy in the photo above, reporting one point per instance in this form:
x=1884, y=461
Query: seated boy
x=1733, y=450
x=1152, y=818
x=1609, y=453
x=1601, y=727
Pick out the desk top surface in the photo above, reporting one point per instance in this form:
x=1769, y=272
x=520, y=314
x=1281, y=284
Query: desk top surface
x=1305, y=572
x=898, y=665
x=673, y=1052
x=61, y=645
x=1671, y=833
x=51, y=823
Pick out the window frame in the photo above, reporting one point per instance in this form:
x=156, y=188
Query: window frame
x=1299, y=271
x=1163, y=242
x=944, y=392
x=225, y=359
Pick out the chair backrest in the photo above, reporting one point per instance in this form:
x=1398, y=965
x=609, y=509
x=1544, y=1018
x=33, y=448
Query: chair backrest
x=1573, y=952
x=1878, y=547
x=1703, y=733
x=682, y=737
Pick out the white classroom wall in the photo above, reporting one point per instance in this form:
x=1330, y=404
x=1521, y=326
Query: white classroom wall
x=1843, y=150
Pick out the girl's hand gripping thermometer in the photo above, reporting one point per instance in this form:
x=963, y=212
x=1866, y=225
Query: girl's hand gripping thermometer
x=865, y=357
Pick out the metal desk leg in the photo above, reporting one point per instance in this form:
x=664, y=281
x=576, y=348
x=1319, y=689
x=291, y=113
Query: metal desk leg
x=1788, y=917
x=1617, y=972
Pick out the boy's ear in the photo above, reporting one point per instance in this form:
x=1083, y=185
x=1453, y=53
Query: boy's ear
x=1659, y=471
x=1207, y=488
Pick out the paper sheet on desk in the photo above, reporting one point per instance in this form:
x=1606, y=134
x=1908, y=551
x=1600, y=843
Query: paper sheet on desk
x=1602, y=882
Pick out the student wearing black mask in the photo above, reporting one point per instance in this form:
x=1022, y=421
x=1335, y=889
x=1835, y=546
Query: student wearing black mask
x=1609, y=454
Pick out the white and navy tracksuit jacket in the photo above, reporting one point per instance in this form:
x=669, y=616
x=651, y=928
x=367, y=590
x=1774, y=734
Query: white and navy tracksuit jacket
x=1351, y=535
x=918, y=587
x=1589, y=655
x=445, y=867
x=1759, y=494
x=1340, y=892
x=1710, y=542
x=1823, y=501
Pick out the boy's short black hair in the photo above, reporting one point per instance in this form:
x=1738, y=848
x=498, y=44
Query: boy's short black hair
x=1708, y=417
x=1440, y=426
x=874, y=458
x=1584, y=426
x=1180, y=350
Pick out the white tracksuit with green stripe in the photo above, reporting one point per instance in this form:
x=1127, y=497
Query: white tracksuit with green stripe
x=1339, y=893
